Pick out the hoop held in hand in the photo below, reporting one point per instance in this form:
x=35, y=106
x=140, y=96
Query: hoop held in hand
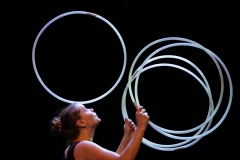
x=188, y=141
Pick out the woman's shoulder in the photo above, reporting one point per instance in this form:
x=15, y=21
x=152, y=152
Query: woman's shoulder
x=91, y=150
x=86, y=148
x=86, y=145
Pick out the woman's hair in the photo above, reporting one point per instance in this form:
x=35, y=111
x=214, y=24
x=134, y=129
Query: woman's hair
x=65, y=123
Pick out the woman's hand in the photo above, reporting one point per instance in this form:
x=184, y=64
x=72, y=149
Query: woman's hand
x=142, y=118
x=129, y=128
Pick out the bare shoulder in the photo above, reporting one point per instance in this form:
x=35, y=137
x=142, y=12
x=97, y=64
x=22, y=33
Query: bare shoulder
x=91, y=150
x=86, y=146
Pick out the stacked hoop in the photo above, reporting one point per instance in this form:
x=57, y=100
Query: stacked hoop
x=188, y=141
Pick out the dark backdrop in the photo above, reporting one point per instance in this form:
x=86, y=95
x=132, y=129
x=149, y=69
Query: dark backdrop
x=79, y=57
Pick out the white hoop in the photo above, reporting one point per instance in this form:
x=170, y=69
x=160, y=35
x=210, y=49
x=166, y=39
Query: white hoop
x=206, y=86
x=85, y=13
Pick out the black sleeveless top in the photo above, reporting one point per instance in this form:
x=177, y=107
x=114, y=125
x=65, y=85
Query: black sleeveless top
x=70, y=155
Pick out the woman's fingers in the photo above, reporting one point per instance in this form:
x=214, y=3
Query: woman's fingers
x=143, y=111
x=131, y=124
x=142, y=118
x=139, y=109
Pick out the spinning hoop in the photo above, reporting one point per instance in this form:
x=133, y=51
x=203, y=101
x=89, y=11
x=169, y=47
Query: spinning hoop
x=85, y=13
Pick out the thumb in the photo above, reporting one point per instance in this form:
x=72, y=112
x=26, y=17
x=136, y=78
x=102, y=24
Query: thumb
x=126, y=120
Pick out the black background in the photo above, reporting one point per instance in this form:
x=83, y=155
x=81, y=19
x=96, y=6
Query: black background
x=80, y=57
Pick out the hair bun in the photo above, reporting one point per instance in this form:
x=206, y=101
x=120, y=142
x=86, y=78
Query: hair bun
x=57, y=127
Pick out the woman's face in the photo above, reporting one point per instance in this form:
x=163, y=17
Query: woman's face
x=89, y=117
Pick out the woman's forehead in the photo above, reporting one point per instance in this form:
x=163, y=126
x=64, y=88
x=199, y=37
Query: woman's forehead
x=80, y=105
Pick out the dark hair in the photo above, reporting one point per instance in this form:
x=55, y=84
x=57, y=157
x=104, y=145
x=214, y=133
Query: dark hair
x=65, y=123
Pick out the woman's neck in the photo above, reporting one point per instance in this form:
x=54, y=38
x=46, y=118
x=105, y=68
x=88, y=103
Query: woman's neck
x=85, y=135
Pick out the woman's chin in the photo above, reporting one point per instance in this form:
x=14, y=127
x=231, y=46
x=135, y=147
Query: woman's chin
x=98, y=119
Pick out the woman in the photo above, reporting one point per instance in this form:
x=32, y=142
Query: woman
x=78, y=123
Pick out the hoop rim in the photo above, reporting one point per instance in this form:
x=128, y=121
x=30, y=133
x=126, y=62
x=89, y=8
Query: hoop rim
x=85, y=13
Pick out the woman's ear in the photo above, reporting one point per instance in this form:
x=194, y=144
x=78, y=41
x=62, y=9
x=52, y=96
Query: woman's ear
x=81, y=123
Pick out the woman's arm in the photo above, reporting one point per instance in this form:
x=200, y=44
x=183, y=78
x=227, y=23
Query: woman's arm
x=123, y=145
x=133, y=146
x=90, y=150
x=129, y=128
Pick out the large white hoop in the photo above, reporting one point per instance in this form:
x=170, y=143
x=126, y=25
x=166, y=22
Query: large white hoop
x=85, y=13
